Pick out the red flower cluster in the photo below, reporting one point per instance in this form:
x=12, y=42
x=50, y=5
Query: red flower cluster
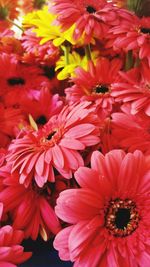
x=75, y=131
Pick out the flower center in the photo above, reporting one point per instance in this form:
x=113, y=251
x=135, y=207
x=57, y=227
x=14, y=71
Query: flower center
x=49, y=137
x=101, y=89
x=41, y=120
x=16, y=81
x=121, y=217
x=90, y=9
x=49, y=72
x=145, y=30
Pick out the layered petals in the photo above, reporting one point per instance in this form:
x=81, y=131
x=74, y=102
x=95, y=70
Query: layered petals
x=108, y=213
x=56, y=145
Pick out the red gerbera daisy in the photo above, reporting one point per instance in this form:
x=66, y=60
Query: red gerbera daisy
x=133, y=36
x=18, y=80
x=33, y=203
x=55, y=145
x=91, y=17
x=44, y=107
x=95, y=84
x=2, y=156
x=133, y=88
x=131, y=132
x=9, y=123
x=12, y=253
x=109, y=214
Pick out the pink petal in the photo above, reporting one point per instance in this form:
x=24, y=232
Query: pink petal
x=80, y=130
x=48, y=156
x=72, y=144
x=58, y=158
x=1, y=210
x=39, y=166
x=74, y=205
x=61, y=243
x=49, y=216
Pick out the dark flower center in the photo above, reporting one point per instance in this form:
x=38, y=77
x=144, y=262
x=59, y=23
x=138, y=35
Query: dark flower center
x=101, y=89
x=49, y=137
x=145, y=30
x=16, y=81
x=90, y=9
x=49, y=72
x=41, y=120
x=121, y=217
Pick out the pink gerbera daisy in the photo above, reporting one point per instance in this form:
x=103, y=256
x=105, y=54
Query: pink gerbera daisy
x=45, y=54
x=95, y=84
x=55, y=145
x=133, y=88
x=91, y=17
x=109, y=214
x=33, y=203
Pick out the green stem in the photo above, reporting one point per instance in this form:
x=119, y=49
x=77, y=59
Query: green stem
x=137, y=62
x=15, y=24
x=134, y=5
x=130, y=4
x=87, y=49
x=138, y=5
x=66, y=53
x=129, y=60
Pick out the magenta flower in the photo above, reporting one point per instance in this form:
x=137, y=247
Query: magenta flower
x=109, y=215
x=133, y=88
x=95, y=84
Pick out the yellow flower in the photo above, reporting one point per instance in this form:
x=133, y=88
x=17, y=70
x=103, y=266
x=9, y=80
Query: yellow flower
x=67, y=69
x=43, y=23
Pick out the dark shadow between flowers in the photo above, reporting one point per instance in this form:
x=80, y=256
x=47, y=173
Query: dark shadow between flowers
x=44, y=255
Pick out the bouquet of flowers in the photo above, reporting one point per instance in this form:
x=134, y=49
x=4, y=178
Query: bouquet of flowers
x=75, y=130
